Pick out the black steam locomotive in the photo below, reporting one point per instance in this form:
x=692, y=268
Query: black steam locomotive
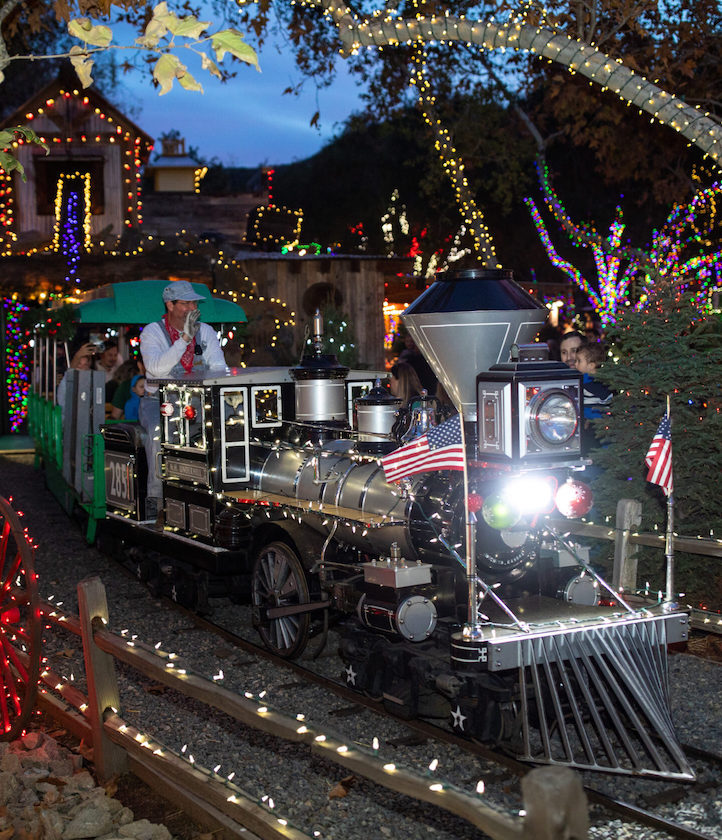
x=457, y=599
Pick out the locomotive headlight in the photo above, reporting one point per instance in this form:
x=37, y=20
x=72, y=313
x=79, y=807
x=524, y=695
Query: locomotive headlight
x=553, y=417
x=529, y=412
x=531, y=494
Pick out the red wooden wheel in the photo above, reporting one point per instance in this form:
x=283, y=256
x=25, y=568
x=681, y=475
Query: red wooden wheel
x=20, y=626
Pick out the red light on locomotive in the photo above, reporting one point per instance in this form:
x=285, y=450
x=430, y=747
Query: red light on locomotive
x=166, y=409
x=189, y=412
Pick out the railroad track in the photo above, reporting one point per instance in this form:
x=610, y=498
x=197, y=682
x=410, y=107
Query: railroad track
x=425, y=734
x=643, y=816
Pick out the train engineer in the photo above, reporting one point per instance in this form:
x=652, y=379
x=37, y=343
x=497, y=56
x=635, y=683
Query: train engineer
x=172, y=347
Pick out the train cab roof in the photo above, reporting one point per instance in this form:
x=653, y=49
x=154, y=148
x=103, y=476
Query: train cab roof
x=141, y=301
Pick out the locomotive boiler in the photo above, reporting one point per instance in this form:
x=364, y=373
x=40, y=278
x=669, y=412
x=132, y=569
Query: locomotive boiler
x=452, y=594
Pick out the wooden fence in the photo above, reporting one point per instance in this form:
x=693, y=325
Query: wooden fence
x=627, y=539
x=222, y=805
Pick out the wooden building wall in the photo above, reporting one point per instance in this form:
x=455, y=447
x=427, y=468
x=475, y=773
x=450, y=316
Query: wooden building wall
x=355, y=284
x=109, y=149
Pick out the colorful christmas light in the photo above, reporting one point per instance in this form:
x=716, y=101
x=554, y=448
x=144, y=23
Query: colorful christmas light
x=17, y=363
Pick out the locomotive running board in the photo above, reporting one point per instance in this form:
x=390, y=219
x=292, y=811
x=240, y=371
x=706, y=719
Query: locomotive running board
x=599, y=700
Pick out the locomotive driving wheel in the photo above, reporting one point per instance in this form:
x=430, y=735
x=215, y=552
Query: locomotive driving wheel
x=20, y=626
x=280, y=581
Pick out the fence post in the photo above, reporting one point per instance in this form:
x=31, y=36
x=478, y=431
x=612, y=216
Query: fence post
x=555, y=804
x=624, y=574
x=103, y=695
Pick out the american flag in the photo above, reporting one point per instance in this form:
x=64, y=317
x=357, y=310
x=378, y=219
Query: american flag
x=659, y=456
x=440, y=448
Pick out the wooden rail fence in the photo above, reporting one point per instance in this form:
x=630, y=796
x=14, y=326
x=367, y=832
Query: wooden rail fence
x=222, y=805
x=627, y=539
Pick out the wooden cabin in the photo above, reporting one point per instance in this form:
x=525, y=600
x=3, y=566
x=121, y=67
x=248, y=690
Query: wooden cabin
x=89, y=182
x=174, y=170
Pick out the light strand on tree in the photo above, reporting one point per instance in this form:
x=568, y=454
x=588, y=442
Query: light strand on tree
x=17, y=369
x=453, y=165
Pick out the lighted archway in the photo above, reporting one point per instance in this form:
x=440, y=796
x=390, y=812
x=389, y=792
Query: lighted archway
x=609, y=73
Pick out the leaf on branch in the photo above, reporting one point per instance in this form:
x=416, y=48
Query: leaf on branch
x=169, y=67
x=210, y=65
x=231, y=40
x=10, y=163
x=186, y=27
x=189, y=83
x=154, y=31
x=83, y=64
x=8, y=136
x=84, y=29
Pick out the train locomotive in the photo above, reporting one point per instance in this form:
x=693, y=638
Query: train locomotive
x=453, y=595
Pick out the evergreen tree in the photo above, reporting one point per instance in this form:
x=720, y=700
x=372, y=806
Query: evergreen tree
x=672, y=348
x=338, y=336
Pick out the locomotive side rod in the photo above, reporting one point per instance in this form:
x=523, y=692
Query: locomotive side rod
x=295, y=609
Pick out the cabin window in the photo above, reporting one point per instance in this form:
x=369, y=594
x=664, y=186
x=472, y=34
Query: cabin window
x=184, y=415
x=266, y=406
x=47, y=174
x=234, y=434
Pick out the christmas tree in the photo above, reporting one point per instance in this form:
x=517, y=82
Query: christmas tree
x=338, y=336
x=668, y=348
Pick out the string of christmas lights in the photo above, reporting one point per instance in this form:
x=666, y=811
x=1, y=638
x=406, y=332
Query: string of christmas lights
x=68, y=228
x=452, y=164
x=688, y=226
x=17, y=366
x=610, y=74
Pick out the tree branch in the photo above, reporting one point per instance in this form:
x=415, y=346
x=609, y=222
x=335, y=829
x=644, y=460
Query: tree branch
x=7, y=7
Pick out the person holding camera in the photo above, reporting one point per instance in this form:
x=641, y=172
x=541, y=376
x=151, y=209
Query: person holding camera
x=172, y=347
x=82, y=360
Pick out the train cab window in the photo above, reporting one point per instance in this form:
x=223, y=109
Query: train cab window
x=266, y=406
x=183, y=411
x=234, y=434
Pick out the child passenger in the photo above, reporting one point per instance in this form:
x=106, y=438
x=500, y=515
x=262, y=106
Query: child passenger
x=597, y=396
x=137, y=389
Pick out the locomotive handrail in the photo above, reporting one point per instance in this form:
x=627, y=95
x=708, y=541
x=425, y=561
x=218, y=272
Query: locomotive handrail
x=626, y=538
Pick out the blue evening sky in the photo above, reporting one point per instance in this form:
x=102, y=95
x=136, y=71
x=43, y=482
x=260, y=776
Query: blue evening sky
x=246, y=121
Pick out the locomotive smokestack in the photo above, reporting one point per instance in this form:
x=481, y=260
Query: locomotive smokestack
x=467, y=321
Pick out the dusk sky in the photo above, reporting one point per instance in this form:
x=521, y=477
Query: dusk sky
x=247, y=121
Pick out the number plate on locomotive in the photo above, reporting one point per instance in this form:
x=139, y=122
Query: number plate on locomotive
x=119, y=481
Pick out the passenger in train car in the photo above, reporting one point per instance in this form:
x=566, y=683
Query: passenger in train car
x=132, y=404
x=82, y=360
x=170, y=347
x=124, y=375
x=569, y=343
x=411, y=355
x=108, y=360
x=406, y=385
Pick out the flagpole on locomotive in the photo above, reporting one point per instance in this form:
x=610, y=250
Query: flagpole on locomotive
x=470, y=541
x=659, y=461
x=668, y=540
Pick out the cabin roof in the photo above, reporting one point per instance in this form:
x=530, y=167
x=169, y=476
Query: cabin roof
x=64, y=83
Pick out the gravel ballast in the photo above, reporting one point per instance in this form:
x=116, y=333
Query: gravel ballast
x=270, y=769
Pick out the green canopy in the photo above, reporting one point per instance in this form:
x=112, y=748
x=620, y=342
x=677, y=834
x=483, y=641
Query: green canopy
x=141, y=301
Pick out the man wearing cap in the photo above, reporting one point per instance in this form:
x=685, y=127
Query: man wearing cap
x=171, y=348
